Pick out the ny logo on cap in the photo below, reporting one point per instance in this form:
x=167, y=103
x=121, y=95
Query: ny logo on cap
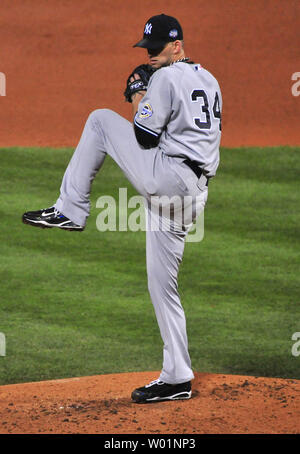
x=148, y=29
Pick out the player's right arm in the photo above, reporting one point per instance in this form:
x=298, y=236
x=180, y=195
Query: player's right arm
x=137, y=96
x=136, y=99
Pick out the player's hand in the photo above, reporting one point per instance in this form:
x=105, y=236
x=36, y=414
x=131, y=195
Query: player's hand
x=134, y=77
x=137, y=81
x=138, y=94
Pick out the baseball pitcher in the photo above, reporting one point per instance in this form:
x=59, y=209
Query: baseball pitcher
x=169, y=153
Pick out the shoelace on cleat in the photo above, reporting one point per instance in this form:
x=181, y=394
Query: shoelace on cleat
x=155, y=382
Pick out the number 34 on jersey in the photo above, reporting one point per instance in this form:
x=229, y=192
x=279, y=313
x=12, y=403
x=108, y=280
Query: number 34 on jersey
x=204, y=121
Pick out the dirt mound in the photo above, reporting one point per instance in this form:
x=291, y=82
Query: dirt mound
x=221, y=404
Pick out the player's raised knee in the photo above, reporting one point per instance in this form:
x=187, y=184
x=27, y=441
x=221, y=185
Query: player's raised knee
x=100, y=114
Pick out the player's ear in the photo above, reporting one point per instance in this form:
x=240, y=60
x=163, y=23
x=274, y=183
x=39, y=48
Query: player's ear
x=178, y=47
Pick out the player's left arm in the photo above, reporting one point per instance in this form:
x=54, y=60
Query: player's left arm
x=154, y=109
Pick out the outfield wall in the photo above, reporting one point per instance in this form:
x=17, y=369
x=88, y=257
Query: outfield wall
x=61, y=59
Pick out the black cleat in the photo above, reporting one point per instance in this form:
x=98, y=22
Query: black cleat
x=157, y=390
x=48, y=218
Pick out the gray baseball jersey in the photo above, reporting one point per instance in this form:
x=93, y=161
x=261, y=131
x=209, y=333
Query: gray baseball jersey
x=182, y=108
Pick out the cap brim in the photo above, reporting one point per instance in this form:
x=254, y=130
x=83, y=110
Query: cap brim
x=147, y=44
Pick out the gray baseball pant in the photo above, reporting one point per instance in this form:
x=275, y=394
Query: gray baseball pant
x=153, y=174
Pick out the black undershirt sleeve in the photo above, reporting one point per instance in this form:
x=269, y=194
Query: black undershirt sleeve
x=145, y=137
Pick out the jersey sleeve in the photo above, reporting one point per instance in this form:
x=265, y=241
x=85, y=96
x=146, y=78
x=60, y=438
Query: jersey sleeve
x=154, y=110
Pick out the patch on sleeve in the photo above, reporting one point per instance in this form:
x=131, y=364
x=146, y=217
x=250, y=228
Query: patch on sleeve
x=146, y=112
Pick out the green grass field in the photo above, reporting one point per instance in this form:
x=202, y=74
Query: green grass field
x=75, y=304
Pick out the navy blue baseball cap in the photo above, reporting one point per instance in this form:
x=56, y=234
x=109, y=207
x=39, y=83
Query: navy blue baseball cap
x=160, y=30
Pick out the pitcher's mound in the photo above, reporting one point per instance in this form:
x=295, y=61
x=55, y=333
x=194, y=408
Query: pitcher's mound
x=221, y=404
